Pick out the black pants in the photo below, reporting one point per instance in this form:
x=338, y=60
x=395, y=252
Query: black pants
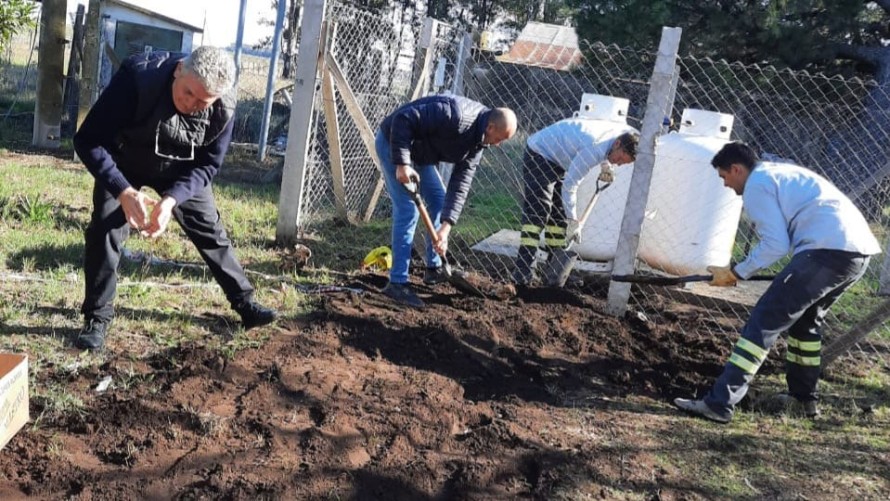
x=542, y=209
x=108, y=229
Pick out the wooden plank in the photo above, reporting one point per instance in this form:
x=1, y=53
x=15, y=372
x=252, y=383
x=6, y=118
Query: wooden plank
x=361, y=123
x=332, y=123
x=336, y=155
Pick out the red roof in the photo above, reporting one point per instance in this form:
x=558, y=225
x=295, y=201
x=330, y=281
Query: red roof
x=545, y=45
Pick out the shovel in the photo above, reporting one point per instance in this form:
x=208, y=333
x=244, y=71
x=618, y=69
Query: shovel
x=456, y=279
x=587, y=210
x=563, y=267
x=654, y=280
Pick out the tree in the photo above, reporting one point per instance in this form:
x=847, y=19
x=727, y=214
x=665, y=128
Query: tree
x=833, y=36
x=15, y=15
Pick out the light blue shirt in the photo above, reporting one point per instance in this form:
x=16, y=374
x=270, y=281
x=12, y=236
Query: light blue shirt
x=794, y=209
x=578, y=145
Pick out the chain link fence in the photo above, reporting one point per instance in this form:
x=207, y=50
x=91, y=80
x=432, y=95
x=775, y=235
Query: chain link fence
x=834, y=126
x=18, y=87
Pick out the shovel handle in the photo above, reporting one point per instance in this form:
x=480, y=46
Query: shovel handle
x=587, y=210
x=658, y=280
x=424, y=214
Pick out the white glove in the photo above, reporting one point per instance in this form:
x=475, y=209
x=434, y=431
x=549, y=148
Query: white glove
x=573, y=231
x=607, y=173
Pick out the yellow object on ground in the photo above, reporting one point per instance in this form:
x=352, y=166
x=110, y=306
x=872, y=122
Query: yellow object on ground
x=380, y=258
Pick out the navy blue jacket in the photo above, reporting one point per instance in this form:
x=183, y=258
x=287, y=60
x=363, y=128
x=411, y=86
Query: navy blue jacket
x=134, y=115
x=440, y=129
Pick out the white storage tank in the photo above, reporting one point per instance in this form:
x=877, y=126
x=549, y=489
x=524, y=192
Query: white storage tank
x=600, y=233
x=691, y=218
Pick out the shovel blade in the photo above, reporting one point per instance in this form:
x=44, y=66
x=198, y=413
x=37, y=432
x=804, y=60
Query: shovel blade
x=460, y=282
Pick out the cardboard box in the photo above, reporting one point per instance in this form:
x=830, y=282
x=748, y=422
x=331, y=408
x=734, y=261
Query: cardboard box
x=13, y=395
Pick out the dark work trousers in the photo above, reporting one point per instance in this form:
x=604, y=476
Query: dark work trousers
x=108, y=229
x=542, y=210
x=796, y=302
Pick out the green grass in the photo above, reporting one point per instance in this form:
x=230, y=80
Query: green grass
x=45, y=209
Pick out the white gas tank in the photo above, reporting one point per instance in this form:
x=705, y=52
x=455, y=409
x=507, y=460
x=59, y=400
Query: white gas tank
x=600, y=233
x=691, y=218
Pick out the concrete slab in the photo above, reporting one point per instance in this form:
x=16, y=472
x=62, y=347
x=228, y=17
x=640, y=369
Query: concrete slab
x=506, y=243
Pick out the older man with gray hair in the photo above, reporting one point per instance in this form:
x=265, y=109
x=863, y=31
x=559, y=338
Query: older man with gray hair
x=164, y=122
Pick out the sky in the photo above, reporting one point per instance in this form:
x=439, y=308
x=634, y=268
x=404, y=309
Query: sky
x=221, y=17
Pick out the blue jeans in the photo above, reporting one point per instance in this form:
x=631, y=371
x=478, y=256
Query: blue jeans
x=797, y=302
x=405, y=213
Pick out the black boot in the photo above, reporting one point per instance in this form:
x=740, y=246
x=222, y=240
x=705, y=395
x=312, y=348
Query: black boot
x=402, y=294
x=92, y=336
x=559, y=267
x=254, y=314
x=524, y=271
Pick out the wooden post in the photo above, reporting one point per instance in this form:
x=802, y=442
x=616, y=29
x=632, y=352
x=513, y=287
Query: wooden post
x=427, y=42
x=89, y=74
x=300, y=124
x=332, y=123
x=71, y=81
x=361, y=123
x=657, y=106
x=884, y=285
x=47, y=129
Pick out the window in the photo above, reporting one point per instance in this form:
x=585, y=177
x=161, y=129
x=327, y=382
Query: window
x=132, y=38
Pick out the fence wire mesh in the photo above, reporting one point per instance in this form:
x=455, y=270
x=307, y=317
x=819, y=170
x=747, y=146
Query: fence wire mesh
x=18, y=85
x=834, y=126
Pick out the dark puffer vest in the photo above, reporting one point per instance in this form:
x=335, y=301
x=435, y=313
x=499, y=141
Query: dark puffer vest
x=161, y=139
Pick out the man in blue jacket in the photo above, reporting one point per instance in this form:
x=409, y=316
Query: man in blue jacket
x=792, y=209
x=410, y=142
x=165, y=122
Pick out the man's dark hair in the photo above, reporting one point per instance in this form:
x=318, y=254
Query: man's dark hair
x=629, y=142
x=735, y=152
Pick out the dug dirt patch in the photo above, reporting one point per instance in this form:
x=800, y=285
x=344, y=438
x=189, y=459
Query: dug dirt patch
x=468, y=398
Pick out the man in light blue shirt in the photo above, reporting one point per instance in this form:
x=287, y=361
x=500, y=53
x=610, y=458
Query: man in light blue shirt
x=793, y=210
x=557, y=158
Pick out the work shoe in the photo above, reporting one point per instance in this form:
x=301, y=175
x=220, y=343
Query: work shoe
x=433, y=276
x=700, y=408
x=402, y=294
x=92, y=336
x=254, y=314
x=524, y=271
x=523, y=275
x=791, y=404
x=558, y=267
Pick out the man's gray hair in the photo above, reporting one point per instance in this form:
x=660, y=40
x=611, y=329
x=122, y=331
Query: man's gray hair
x=213, y=66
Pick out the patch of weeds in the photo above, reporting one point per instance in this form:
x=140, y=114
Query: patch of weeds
x=129, y=379
x=55, y=401
x=242, y=341
x=27, y=209
x=207, y=424
x=54, y=446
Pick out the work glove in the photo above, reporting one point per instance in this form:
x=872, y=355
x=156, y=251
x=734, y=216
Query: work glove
x=573, y=232
x=607, y=173
x=723, y=276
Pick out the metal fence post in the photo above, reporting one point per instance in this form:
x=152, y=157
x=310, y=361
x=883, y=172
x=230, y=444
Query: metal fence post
x=657, y=106
x=239, y=40
x=270, y=83
x=300, y=124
